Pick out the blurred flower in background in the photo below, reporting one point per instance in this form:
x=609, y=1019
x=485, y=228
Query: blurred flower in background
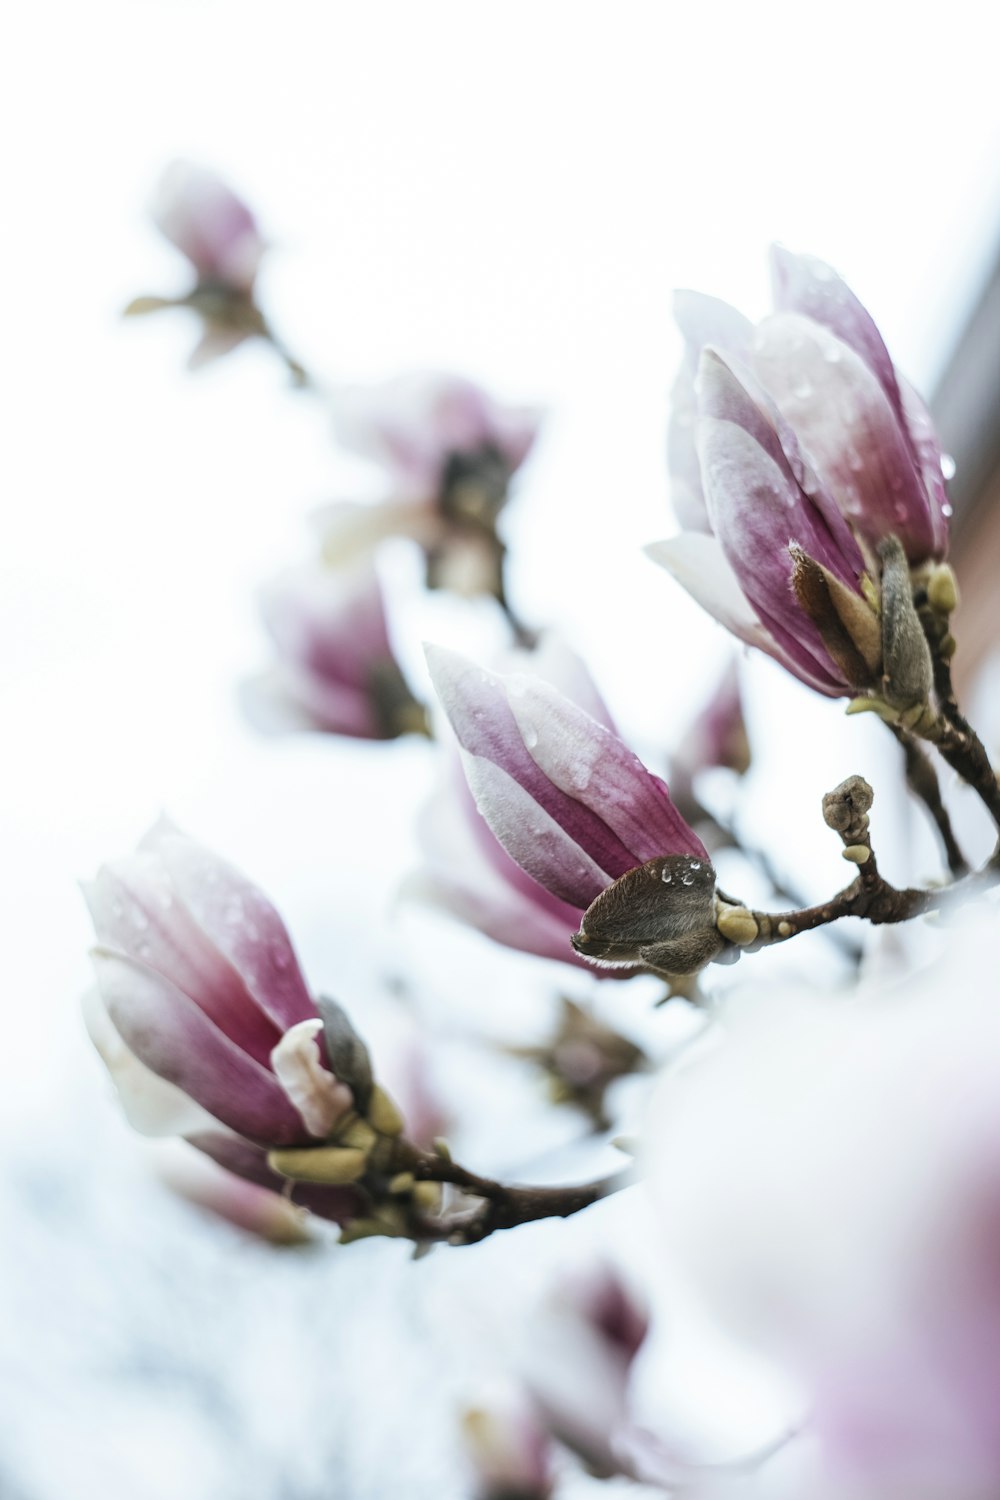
x=831, y=1184
x=335, y=668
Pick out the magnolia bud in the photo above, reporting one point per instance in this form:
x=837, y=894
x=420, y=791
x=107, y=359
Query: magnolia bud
x=326, y=1164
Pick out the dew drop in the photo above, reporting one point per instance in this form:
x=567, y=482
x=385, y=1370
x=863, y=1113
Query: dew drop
x=139, y=919
x=666, y=877
x=530, y=737
x=833, y=354
x=696, y=864
x=948, y=466
x=687, y=879
x=947, y=509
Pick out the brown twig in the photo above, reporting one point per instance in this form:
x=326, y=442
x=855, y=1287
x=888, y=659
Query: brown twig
x=501, y=1205
x=922, y=780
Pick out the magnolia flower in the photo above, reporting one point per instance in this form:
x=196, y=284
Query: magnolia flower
x=450, y=452
x=716, y=738
x=210, y=225
x=796, y=446
x=784, y=570
x=468, y=872
x=203, y=1017
x=582, y=1058
x=578, y=1367
x=217, y=233
x=507, y=1448
x=830, y=1178
x=581, y=815
x=336, y=670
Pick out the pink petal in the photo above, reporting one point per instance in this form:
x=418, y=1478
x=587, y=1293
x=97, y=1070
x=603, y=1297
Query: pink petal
x=237, y=918
x=848, y=429
x=169, y=1033
x=137, y=911
x=591, y=764
x=477, y=705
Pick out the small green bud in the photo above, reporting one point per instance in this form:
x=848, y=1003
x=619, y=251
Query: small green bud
x=357, y=1133
x=737, y=925
x=942, y=589
x=330, y=1165
x=857, y=854
x=383, y=1114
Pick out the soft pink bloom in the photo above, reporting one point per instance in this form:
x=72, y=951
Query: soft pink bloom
x=202, y=1013
x=797, y=437
x=468, y=872
x=450, y=452
x=427, y=429
x=564, y=796
x=830, y=1176
x=335, y=668
x=210, y=225
x=715, y=739
x=578, y=1367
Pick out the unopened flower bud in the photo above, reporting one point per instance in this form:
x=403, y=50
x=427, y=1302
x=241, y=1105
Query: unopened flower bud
x=383, y=1114
x=942, y=589
x=737, y=924
x=327, y=1164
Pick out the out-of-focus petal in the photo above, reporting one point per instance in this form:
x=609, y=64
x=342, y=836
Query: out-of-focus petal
x=151, y=1104
x=702, y=320
x=209, y=224
x=168, y=1032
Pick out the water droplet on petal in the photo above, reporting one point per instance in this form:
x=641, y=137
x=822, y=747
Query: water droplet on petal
x=948, y=466
x=947, y=510
x=687, y=879
x=666, y=877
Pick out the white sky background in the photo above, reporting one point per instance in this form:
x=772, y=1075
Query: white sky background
x=511, y=191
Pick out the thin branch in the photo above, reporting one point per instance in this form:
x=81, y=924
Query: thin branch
x=501, y=1205
x=922, y=780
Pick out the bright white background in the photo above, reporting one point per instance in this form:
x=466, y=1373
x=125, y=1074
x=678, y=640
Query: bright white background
x=507, y=190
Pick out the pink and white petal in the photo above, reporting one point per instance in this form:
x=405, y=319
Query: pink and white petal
x=729, y=392
x=320, y=1098
x=499, y=912
x=708, y=320
x=591, y=764
x=555, y=662
x=209, y=224
x=136, y=910
x=152, y=1105
x=240, y=921
x=328, y=621
x=758, y=513
x=930, y=460
x=847, y=428
x=533, y=838
x=476, y=703
x=168, y=1032
x=700, y=566
x=281, y=702
x=803, y=284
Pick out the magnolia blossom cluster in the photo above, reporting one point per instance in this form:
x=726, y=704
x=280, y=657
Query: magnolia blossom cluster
x=809, y=482
x=825, y=1172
